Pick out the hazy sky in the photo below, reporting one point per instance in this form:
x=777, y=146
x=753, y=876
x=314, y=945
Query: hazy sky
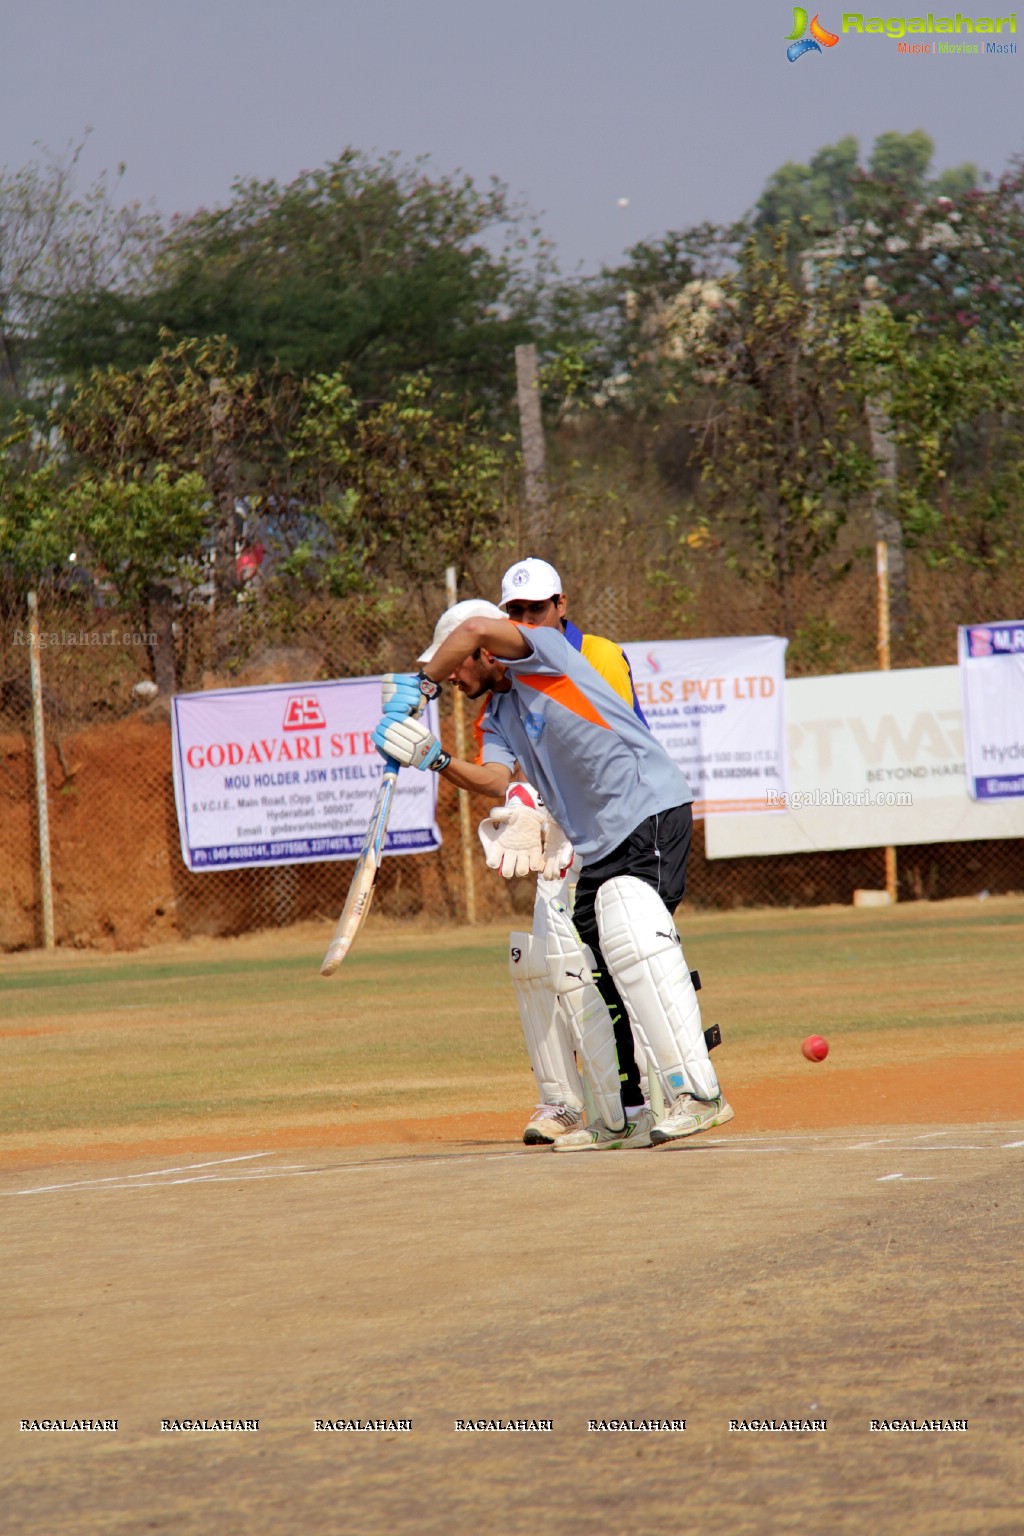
x=683, y=108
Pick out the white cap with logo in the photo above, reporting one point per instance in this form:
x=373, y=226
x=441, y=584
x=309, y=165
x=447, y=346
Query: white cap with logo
x=530, y=581
x=458, y=613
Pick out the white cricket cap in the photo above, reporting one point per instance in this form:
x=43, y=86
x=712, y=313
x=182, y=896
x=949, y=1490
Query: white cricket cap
x=529, y=581
x=458, y=613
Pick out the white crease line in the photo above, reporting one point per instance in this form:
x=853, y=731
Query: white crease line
x=153, y=1173
x=789, y=1135
x=118, y=1181
x=258, y=1176
x=214, y=1162
x=951, y=1146
x=738, y=1147
x=914, y=1178
x=736, y=1143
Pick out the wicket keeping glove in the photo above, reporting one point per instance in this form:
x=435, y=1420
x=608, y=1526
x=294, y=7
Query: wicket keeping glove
x=410, y=743
x=558, y=851
x=520, y=837
x=406, y=693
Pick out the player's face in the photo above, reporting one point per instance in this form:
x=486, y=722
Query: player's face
x=479, y=674
x=546, y=613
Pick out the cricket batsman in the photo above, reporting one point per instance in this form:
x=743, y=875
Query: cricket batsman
x=615, y=795
x=512, y=837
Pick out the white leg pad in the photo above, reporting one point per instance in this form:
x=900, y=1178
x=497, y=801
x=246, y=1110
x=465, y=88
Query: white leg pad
x=545, y=1028
x=645, y=960
x=570, y=971
x=640, y=1056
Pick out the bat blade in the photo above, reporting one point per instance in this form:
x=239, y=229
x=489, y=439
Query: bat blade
x=364, y=876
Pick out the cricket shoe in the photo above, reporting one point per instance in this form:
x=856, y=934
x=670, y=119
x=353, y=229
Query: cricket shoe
x=598, y=1137
x=550, y=1121
x=686, y=1116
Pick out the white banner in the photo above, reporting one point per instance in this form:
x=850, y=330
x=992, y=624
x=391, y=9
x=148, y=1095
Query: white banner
x=992, y=685
x=718, y=709
x=284, y=774
x=876, y=759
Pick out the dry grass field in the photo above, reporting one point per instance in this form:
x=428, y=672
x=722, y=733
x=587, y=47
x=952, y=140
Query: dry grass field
x=231, y=1191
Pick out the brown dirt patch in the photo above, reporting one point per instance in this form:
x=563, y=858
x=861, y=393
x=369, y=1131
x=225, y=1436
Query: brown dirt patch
x=953, y=1091
x=817, y=1278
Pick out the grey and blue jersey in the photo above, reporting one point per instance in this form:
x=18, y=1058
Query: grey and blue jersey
x=600, y=771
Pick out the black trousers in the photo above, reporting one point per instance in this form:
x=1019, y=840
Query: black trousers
x=656, y=852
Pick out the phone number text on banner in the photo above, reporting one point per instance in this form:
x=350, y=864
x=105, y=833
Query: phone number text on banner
x=284, y=774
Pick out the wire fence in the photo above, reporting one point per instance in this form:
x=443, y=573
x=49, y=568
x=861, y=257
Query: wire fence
x=118, y=878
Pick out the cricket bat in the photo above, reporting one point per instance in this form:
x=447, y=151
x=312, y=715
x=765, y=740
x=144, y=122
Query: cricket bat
x=364, y=876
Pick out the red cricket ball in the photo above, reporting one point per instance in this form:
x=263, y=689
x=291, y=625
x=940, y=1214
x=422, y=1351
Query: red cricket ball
x=815, y=1048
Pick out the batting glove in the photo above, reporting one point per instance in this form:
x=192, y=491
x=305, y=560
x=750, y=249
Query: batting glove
x=410, y=743
x=513, y=834
x=406, y=693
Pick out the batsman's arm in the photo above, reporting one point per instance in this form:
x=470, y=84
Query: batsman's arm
x=490, y=779
x=499, y=636
x=413, y=745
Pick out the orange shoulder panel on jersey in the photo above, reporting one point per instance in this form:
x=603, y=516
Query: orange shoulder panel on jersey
x=565, y=692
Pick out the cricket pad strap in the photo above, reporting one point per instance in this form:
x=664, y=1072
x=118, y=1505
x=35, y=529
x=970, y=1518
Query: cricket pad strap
x=570, y=974
x=644, y=956
x=545, y=1027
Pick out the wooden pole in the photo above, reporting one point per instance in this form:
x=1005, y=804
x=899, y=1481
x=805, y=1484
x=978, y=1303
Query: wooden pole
x=42, y=801
x=465, y=817
x=531, y=431
x=888, y=528
x=882, y=575
x=884, y=664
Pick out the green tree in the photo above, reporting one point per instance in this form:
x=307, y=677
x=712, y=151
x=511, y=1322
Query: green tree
x=55, y=243
x=611, y=339
x=373, y=266
x=902, y=160
x=783, y=453
x=833, y=193
x=403, y=489
x=34, y=539
x=817, y=197
x=955, y=403
x=953, y=264
x=173, y=464
x=144, y=535
x=192, y=411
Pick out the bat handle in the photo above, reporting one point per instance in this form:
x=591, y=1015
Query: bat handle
x=390, y=766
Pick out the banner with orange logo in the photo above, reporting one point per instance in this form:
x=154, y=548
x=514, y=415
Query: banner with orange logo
x=288, y=774
x=718, y=708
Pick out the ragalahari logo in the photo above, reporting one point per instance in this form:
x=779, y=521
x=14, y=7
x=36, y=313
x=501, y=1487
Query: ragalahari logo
x=799, y=44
